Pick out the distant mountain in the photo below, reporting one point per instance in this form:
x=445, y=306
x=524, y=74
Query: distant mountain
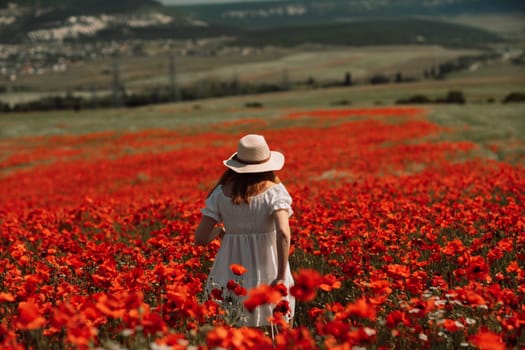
x=83, y=7
x=266, y=14
x=373, y=32
x=335, y=22
x=52, y=20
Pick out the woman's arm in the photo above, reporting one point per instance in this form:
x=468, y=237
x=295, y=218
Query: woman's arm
x=282, y=228
x=206, y=231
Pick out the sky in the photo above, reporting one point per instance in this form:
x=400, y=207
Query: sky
x=189, y=2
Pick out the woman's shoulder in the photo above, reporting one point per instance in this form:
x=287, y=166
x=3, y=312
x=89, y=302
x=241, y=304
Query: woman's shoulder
x=279, y=198
x=279, y=187
x=276, y=190
x=216, y=192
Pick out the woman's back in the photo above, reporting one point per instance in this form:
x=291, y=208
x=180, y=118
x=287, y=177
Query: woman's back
x=253, y=218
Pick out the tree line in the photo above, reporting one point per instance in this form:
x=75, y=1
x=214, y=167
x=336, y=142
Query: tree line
x=215, y=89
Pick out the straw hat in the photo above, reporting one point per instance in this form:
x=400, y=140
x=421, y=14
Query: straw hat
x=254, y=156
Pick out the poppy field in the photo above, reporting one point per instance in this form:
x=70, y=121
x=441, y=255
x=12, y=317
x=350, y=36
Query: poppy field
x=402, y=237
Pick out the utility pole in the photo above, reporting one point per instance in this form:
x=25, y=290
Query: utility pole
x=285, y=80
x=175, y=95
x=94, y=99
x=116, y=88
x=234, y=86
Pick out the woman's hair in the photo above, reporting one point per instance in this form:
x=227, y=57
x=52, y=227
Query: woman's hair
x=245, y=185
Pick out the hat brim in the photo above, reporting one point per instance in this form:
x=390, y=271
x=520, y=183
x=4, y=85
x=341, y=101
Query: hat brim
x=276, y=162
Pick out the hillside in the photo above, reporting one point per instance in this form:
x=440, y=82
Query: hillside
x=267, y=14
x=254, y=23
x=78, y=20
x=390, y=31
x=82, y=7
x=150, y=21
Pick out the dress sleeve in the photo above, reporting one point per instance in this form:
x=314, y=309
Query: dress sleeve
x=211, y=208
x=281, y=200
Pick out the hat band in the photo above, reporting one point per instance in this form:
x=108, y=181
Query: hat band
x=250, y=162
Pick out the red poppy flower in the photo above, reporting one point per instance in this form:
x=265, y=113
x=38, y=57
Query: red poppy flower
x=398, y=271
x=315, y=312
x=236, y=288
x=238, y=269
x=306, y=283
x=80, y=335
x=261, y=295
x=216, y=294
x=477, y=268
x=29, y=316
x=361, y=308
x=240, y=290
x=231, y=285
x=486, y=340
x=153, y=323
x=474, y=298
x=451, y=325
x=110, y=306
x=296, y=338
x=6, y=297
x=282, y=307
x=281, y=288
x=218, y=337
x=337, y=328
x=329, y=282
x=397, y=317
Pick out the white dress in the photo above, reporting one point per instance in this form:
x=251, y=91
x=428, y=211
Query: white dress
x=250, y=241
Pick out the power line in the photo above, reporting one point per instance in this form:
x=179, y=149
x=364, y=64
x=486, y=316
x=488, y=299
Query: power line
x=116, y=86
x=174, y=91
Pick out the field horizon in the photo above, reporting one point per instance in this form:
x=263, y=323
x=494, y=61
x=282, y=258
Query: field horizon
x=484, y=90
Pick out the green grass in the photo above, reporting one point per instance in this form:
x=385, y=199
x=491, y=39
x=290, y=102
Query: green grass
x=264, y=65
x=493, y=120
x=498, y=130
x=509, y=26
x=501, y=69
x=487, y=123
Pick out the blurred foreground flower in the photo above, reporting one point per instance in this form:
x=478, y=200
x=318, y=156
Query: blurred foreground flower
x=261, y=295
x=486, y=340
x=306, y=283
x=29, y=316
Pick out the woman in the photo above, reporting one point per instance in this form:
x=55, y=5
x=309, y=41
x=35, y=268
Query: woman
x=254, y=207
